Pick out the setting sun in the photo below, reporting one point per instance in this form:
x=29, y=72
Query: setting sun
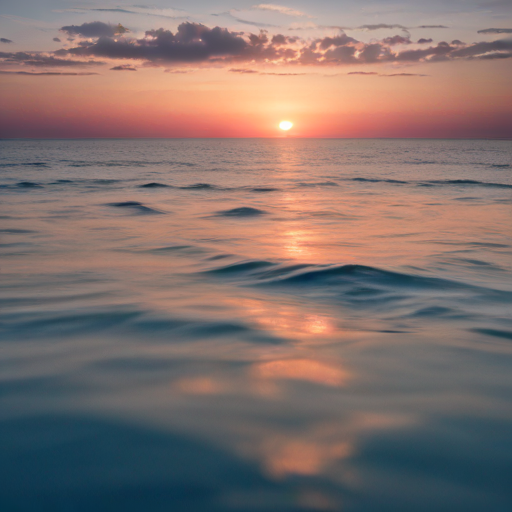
x=285, y=125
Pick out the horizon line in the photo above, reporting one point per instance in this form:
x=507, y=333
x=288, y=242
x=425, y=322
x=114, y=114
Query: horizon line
x=256, y=138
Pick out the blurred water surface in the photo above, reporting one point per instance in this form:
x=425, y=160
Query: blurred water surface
x=281, y=325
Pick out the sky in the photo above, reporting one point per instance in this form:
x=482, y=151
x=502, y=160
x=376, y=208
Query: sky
x=335, y=68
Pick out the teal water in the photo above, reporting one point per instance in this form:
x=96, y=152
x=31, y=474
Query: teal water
x=281, y=325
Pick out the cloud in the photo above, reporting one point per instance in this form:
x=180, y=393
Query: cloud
x=281, y=9
x=38, y=59
x=480, y=49
x=56, y=39
x=380, y=26
x=139, y=10
x=243, y=71
x=94, y=29
x=496, y=31
x=6, y=41
x=45, y=73
x=192, y=42
x=403, y=74
x=496, y=55
x=232, y=14
x=340, y=40
x=123, y=67
x=178, y=71
x=373, y=73
x=217, y=46
x=392, y=41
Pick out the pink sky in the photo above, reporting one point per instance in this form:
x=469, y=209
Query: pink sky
x=189, y=79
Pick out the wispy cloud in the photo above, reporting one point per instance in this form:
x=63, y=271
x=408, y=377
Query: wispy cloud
x=123, y=67
x=281, y=9
x=45, y=73
x=496, y=31
x=139, y=10
x=44, y=60
x=4, y=40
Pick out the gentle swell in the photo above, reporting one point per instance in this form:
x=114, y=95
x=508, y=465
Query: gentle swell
x=26, y=164
x=318, y=184
x=469, y=182
x=372, y=180
x=124, y=163
x=354, y=283
x=154, y=185
x=136, y=207
x=28, y=184
x=243, y=211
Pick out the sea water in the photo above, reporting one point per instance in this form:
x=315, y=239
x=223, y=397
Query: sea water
x=267, y=325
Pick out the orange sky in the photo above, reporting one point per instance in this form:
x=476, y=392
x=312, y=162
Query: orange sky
x=461, y=89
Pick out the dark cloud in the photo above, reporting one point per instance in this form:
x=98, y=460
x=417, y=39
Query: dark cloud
x=340, y=55
x=339, y=40
x=362, y=73
x=192, y=42
x=496, y=31
x=431, y=26
x=6, y=41
x=123, y=67
x=480, y=49
x=94, y=29
x=197, y=43
x=279, y=40
x=392, y=41
x=497, y=55
x=56, y=39
x=441, y=50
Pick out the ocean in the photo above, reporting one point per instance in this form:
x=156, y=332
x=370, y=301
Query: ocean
x=261, y=325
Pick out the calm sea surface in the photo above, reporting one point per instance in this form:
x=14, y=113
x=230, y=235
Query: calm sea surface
x=261, y=325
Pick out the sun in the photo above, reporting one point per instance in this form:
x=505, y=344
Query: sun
x=285, y=125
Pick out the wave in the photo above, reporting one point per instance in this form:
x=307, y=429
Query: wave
x=199, y=186
x=28, y=184
x=468, y=182
x=125, y=163
x=318, y=184
x=374, y=180
x=360, y=286
x=507, y=335
x=125, y=322
x=243, y=211
x=24, y=164
x=264, y=189
x=136, y=207
x=16, y=231
x=155, y=185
